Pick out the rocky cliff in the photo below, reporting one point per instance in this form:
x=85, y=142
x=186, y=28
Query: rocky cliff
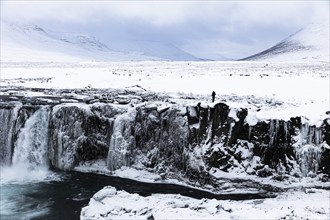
x=194, y=141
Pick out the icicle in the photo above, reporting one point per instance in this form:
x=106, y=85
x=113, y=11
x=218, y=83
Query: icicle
x=120, y=143
x=273, y=131
x=250, y=131
x=309, y=158
x=209, y=127
x=286, y=131
x=231, y=125
x=318, y=136
x=308, y=149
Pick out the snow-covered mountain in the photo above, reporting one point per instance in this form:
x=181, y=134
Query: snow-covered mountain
x=33, y=43
x=308, y=44
x=150, y=48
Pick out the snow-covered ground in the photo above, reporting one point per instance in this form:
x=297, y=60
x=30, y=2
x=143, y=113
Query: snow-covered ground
x=273, y=90
x=109, y=203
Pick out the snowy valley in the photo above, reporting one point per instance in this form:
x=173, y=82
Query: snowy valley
x=31, y=43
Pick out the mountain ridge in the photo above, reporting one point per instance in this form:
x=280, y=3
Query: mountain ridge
x=307, y=44
x=32, y=42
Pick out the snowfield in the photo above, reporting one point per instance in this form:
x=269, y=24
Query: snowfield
x=274, y=90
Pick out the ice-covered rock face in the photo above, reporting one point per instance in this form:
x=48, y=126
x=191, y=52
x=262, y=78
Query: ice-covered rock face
x=191, y=141
x=159, y=136
x=122, y=142
x=79, y=133
x=162, y=136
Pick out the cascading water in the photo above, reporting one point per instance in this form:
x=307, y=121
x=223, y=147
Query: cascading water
x=7, y=119
x=29, y=162
x=31, y=146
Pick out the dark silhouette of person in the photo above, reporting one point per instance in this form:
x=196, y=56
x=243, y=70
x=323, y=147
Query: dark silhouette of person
x=213, y=96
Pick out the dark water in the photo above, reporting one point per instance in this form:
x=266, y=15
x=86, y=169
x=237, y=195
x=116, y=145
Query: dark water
x=64, y=199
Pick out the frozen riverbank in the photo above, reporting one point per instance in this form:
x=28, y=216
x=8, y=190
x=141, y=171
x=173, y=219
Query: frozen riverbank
x=110, y=203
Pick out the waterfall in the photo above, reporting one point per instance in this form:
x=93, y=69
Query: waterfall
x=31, y=146
x=308, y=150
x=121, y=141
x=30, y=157
x=7, y=119
x=31, y=137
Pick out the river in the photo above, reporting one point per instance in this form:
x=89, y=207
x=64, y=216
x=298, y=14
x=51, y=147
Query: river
x=63, y=198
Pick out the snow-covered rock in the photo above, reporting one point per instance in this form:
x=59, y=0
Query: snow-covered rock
x=80, y=132
x=109, y=203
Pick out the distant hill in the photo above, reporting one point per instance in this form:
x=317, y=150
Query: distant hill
x=310, y=44
x=33, y=43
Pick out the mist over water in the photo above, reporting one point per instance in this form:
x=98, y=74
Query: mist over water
x=29, y=161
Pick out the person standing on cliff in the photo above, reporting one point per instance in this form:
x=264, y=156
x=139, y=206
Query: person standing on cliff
x=213, y=96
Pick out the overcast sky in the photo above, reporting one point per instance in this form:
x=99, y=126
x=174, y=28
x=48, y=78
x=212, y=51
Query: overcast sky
x=207, y=29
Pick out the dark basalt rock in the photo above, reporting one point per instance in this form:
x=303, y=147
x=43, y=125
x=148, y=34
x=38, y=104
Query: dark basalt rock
x=220, y=121
x=273, y=143
x=325, y=155
x=237, y=131
x=219, y=159
x=167, y=132
x=203, y=123
x=265, y=172
x=326, y=130
x=214, y=120
x=78, y=135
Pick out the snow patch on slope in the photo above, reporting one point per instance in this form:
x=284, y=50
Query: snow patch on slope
x=308, y=44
